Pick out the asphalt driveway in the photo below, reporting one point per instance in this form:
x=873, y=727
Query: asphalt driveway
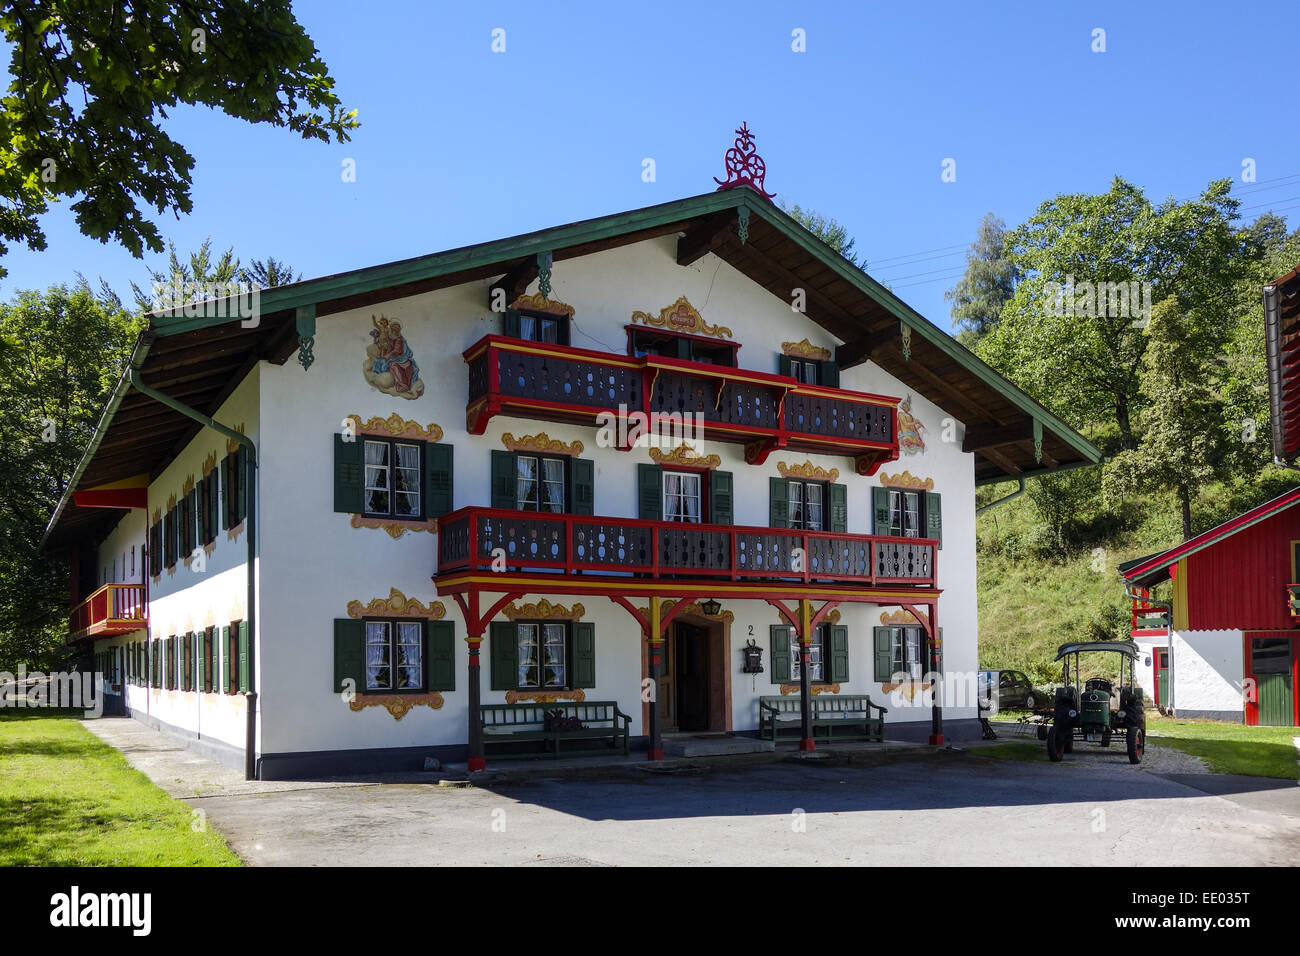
x=940, y=808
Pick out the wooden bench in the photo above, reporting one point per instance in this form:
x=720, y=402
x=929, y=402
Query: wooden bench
x=834, y=717
x=505, y=726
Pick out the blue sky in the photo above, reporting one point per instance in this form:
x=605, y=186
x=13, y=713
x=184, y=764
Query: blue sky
x=459, y=144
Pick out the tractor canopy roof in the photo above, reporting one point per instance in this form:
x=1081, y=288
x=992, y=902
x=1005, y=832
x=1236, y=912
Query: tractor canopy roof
x=1119, y=647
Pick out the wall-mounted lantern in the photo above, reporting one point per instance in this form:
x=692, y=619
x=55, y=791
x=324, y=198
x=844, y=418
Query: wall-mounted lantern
x=753, y=658
x=711, y=608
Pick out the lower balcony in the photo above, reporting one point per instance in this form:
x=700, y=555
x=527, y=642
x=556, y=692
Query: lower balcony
x=113, y=609
x=596, y=554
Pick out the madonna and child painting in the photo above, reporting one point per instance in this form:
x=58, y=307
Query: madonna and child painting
x=390, y=364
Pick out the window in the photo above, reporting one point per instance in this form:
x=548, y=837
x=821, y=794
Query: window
x=682, y=496
x=905, y=651
x=537, y=326
x=209, y=505
x=207, y=650
x=817, y=655
x=169, y=539
x=543, y=655
x=806, y=502
x=539, y=484
x=187, y=519
x=691, y=348
x=392, y=479
x=905, y=513
x=806, y=371
x=394, y=655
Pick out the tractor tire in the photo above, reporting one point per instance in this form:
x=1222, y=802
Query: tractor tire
x=1137, y=738
x=1042, y=731
x=1067, y=742
x=1054, y=749
x=1105, y=737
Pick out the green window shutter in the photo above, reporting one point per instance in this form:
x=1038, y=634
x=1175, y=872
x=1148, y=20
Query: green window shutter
x=349, y=654
x=214, y=502
x=784, y=365
x=584, y=654
x=191, y=520
x=245, y=659
x=880, y=510
x=349, y=475
x=884, y=654
x=780, y=653
x=510, y=324
x=839, y=652
x=582, y=486
x=201, y=511
x=225, y=494
x=440, y=655
x=778, y=491
x=225, y=660
x=207, y=656
x=830, y=373
x=437, y=479
x=933, y=517
x=839, y=504
x=650, y=492
x=187, y=662
x=720, y=497
x=504, y=492
x=504, y=650
x=241, y=484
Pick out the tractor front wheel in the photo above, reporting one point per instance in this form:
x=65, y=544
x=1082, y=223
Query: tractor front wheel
x=1055, y=750
x=1136, y=743
x=1105, y=737
x=1042, y=731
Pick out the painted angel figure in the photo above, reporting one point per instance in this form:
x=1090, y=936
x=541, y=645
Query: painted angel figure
x=910, y=430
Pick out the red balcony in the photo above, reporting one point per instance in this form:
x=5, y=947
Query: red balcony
x=620, y=552
x=762, y=411
x=113, y=609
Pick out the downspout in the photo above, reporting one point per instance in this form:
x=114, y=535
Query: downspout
x=250, y=739
x=1004, y=499
x=1169, y=612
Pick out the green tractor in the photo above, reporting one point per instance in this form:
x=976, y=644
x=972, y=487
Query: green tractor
x=1097, y=712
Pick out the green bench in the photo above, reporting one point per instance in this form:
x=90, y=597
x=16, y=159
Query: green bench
x=506, y=726
x=834, y=717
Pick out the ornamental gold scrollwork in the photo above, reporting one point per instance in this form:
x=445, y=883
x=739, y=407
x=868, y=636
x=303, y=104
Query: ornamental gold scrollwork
x=815, y=689
x=395, y=704
x=681, y=316
x=806, y=349
x=544, y=696
x=538, y=302
x=397, y=604
x=541, y=443
x=692, y=608
x=808, y=471
x=395, y=529
x=897, y=618
x=398, y=427
x=906, y=480
x=544, y=610
x=684, y=456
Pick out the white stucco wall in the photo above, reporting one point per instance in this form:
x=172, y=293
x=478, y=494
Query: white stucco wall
x=1207, y=668
x=315, y=562
x=186, y=599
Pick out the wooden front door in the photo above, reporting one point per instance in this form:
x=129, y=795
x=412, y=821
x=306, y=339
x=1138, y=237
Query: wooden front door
x=691, y=676
x=1272, y=665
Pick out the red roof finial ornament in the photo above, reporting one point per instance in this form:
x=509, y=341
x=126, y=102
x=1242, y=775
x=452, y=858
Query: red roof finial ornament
x=744, y=166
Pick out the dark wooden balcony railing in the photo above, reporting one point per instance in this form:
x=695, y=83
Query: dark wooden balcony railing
x=113, y=609
x=469, y=538
x=761, y=410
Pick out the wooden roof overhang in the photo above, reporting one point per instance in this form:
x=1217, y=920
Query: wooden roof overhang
x=1282, y=338
x=199, y=360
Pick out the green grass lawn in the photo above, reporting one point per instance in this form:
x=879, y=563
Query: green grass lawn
x=1232, y=748
x=69, y=799
x=1226, y=748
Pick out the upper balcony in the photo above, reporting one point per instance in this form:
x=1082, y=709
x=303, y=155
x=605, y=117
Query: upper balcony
x=578, y=548
x=113, y=609
x=763, y=411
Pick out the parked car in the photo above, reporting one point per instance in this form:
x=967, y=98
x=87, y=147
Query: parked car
x=1012, y=688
